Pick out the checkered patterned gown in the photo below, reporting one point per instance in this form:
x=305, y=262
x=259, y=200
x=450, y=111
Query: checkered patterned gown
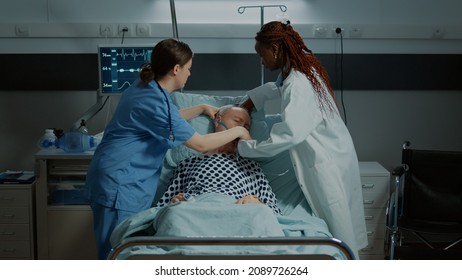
x=228, y=174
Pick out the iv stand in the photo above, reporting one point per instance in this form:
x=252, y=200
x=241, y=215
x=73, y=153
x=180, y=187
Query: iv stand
x=174, y=23
x=241, y=10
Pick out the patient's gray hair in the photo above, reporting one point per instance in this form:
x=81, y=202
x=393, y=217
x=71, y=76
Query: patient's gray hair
x=224, y=109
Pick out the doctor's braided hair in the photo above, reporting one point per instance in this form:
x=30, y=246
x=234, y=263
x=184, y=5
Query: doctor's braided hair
x=165, y=55
x=296, y=55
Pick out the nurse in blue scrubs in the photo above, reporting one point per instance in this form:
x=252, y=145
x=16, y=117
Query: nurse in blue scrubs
x=123, y=174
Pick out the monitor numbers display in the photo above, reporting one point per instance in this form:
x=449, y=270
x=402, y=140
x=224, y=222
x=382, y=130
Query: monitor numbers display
x=119, y=67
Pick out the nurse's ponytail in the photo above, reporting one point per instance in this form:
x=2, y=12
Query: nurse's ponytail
x=146, y=74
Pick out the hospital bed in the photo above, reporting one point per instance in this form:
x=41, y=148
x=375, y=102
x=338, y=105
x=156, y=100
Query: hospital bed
x=209, y=230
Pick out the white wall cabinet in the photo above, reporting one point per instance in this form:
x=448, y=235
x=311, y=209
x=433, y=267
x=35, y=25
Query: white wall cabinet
x=17, y=222
x=64, y=219
x=375, y=180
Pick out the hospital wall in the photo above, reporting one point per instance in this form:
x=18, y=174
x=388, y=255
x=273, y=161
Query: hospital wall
x=400, y=74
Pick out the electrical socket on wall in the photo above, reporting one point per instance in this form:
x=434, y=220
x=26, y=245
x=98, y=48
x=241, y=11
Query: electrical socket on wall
x=22, y=30
x=438, y=32
x=106, y=30
x=143, y=29
x=125, y=26
x=320, y=31
x=338, y=29
x=356, y=31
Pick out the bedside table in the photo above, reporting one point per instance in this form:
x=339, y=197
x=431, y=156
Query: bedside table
x=17, y=221
x=375, y=181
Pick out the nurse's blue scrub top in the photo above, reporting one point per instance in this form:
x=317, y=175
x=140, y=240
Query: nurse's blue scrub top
x=126, y=166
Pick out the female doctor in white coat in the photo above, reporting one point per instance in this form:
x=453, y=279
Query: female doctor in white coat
x=320, y=146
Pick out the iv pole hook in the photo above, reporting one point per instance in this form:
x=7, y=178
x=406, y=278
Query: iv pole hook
x=241, y=10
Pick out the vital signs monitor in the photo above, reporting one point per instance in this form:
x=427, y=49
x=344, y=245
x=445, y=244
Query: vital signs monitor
x=119, y=66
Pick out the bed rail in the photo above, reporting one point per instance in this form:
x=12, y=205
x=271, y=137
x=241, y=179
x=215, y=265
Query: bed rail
x=233, y=241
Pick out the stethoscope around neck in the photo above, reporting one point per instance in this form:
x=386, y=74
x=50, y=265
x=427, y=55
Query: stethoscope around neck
x=171, y=136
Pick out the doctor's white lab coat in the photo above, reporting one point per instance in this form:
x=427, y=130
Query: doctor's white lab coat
x=322, y=154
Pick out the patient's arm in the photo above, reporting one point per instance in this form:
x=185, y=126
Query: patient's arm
x=248, y=199
x=177, y=198
x=243, y=200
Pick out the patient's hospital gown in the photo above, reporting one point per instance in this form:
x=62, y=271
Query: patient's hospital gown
x=220, y=173
x=322, y=154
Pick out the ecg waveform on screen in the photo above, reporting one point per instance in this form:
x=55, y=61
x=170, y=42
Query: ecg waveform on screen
x=133, y=54
x=120, y=66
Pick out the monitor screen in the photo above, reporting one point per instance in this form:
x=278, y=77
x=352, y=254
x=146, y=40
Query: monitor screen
x=119, y=66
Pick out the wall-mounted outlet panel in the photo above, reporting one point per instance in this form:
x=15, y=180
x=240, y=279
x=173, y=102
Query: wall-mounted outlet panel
x=128, y=27
x=355, y=32
x=106, y=30
x=337, y=31
x=320, y=31
x=438, y=33
x=22, y=30
x=143, y=30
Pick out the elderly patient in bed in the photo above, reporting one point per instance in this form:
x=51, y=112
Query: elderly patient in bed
x=221, y=171
x=232, y=196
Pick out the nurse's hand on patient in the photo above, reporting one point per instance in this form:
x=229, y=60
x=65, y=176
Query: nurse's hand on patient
x=209, y=110
x=248, y=199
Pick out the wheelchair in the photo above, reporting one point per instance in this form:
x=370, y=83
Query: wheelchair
x=424, y=212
